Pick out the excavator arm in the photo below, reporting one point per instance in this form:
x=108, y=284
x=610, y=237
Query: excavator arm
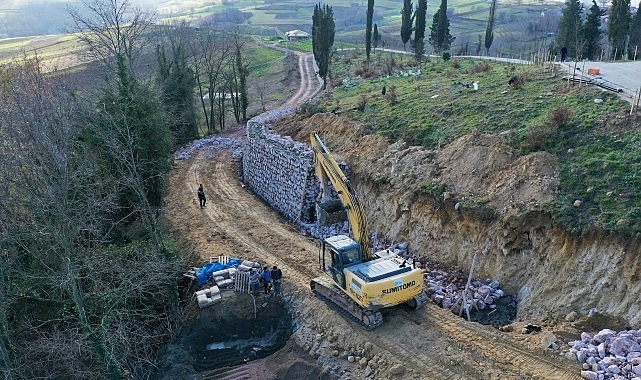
x=327, y=169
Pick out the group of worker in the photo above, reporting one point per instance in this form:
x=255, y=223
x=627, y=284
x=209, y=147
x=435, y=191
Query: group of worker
x=268, y=278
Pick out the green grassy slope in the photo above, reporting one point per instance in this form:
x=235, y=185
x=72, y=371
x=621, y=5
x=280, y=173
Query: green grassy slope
x=600, y=159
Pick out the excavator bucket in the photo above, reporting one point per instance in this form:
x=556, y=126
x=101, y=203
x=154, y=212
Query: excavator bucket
x=330, y=212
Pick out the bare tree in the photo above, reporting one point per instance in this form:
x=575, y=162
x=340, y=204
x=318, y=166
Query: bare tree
x=211, y=53
x=113, y=29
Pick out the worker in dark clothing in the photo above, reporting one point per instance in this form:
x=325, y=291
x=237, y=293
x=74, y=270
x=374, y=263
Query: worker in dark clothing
x=201, y=196
x=564, y=53
x=277, y=275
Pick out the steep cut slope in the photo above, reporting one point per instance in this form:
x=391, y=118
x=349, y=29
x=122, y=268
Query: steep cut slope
x=478, y=195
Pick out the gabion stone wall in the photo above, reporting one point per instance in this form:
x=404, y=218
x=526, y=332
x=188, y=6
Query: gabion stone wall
x=280, y=171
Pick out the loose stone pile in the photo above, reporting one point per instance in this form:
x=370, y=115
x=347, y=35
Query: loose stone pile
x=211, y=146
x=608, y=354
x=446, y=288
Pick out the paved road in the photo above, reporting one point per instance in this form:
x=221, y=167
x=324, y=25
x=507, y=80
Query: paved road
x=625, y=76
x=622, y=75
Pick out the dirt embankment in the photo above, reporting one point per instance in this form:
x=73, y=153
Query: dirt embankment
x=478, y=195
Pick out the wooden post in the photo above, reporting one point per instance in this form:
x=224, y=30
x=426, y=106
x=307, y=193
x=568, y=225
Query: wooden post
x=635, y=101
x=582, y=73
x=467, y=286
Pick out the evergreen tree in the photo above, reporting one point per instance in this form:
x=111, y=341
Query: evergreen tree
x=376, y=38
x=618, y=27
x=368, y=28
x=440, y=37
x=419, y=30
x=591, y=32
x=177, y=82
x=568, y=31
x=489, y=31
x=323, y=29
x=407, y=20
x=634, y=47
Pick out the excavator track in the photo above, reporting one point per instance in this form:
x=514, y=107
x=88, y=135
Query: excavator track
x=325, y=289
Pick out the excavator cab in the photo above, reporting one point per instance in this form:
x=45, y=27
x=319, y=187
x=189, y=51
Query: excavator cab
x=339, y=252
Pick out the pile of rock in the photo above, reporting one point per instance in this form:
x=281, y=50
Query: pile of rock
x=445, y=291
x=608, y=354
x=211, y=145
x=446, y=288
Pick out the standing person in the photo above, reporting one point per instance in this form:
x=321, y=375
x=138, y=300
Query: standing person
x=266, y=279
x=254, y=286
x=277, y=275
x=201, y=196
x=564, y=53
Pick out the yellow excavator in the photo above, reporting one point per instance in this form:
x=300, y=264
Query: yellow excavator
x=359, y=283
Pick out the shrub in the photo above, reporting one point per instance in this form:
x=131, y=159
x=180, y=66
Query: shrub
x=390, y=95
x=362, y=102
x=537, y=137
x=311, y=109
x=446, y=55
x=456, y=64
x=481, y=68
x=559, y=117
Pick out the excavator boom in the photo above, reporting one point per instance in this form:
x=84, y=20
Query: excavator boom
x=358, y=284
x=327, y=169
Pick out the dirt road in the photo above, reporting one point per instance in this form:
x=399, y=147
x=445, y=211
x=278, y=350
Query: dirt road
x=431, y=343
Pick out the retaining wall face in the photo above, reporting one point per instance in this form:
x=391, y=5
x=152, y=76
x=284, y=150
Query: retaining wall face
x=281, y=172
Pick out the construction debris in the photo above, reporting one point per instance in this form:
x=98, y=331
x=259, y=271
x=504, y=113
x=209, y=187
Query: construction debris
x=208, y=297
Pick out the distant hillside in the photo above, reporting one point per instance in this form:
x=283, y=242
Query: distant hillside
x=521, y=28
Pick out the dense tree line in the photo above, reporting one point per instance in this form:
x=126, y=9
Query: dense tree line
x=88, y=273
x=582, y=34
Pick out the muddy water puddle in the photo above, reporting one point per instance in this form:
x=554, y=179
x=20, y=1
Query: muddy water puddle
x=227, y=334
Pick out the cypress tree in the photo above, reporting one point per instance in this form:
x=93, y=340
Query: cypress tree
x=323, y=29
x=368, y=28
x=489, y=31
x=634, y=47
x=376, y=38
x=568, y=31
x=592, y=32
x=618, y=27
x=440, y=37
x=407, y=19
x=419, y=31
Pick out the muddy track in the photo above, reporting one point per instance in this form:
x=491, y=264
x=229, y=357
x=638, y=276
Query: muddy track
x=308, y=85
x=468, y=350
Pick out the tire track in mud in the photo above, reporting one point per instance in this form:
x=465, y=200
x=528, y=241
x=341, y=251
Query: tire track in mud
x=509, y=355
x=263, y=235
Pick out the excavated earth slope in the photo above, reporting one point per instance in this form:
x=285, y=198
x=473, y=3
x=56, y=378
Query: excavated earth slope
x=552, y=272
